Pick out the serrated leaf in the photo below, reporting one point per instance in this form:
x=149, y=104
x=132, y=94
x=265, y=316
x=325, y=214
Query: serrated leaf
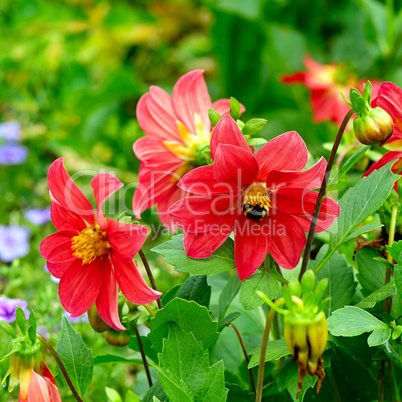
x=352, y=321
x=220, y=261
x=189, y=316
x=184, y=370
x=254, y=126
x=234, y=109
x=379, y=336
x=196, y=288
x=275, y=350
x=259, y=281
x=380, y=294
x=76, y=357
x=341, y=284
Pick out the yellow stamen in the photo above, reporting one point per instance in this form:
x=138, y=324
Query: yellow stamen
x=256, y=201
x=90, y=244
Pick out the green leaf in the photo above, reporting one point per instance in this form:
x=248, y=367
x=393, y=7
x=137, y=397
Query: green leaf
x=170, y=294
x=396, y=251
x=112, y=395
x=220, y=261
x=357, y=204
x=288, y=376
x=184, y=370
x=226, y=297
x=32, y=335
x=131, y=397
x=261, y=281
x=108, y=358
x=238, y=394
x=371, y=274
x=234, y=109
x=8, y=328
x=380, y=294
x=254, y=126
x=341, y=284
x=32, y=320
x=364, y=229
x=214, y=117
x=189, y=316
x=146, y=344
x=21, y=320
x=352, y=321
x=349, y=164
x=275, y=350
x=379, y=336
x=398, y=279
x=76, y=357
x=196, y=288
x=155, y=391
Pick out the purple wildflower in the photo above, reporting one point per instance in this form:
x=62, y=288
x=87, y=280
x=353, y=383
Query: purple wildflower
x=8, y=307
x=13, y=154
x=10, y=131
x=38, y=216
x=13, y=242
x=81, y=318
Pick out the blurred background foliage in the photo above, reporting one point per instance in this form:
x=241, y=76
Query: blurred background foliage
x=72, y=72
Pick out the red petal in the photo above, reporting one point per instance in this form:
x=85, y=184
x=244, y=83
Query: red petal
x=164, y=202
x=388, y=157
x=251, y=246
x=190, y=97
x=54, y=240
x=299, y=201
x=104, y=185
x=390, y=99
x=309, y=179
x=79, y=286
x=201, y=181
x=61, y=253
x=287, y=240
x=131, y=282
x=227, y=132
x=202, y=245
x=234, y=165
x=64, y=219
x=67, y=194
x=126, y=239
x=156, y=116
x=53, y=391
x=107, y=301
x=152, y=151
x=38, y=390
x=202, y=214
x=222, y=106
x=285, y=152
x=299, y=76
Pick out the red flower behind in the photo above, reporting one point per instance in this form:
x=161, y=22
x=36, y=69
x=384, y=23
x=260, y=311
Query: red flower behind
x=41, y=389
x=390, y=99
x=90, y=253
x=264, y=198
x=177, y=128
x=326, y=83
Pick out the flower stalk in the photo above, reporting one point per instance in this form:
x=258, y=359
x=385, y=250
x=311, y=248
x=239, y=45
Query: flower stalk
x=150, y=276
x=143, y=357
x=321, y=194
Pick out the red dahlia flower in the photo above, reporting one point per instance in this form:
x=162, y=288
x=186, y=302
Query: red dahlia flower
x=178, y=135
x=390, y=99
x=326, y=83
x=264, y=198
x=90, y=253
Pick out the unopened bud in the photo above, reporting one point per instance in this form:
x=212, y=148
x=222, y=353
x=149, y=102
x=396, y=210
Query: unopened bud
x=373, y=128
x=117, y=338
x=96, y=322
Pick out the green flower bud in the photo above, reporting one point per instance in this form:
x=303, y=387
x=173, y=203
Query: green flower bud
x=96, y=322
x=117, y=338
x=308, y=281
x=306, y=337
x=373, y=128
x=294, y=287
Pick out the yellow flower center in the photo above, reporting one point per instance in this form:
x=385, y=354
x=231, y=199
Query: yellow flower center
x=187, y=150
x=90, y=244
x=256, y=202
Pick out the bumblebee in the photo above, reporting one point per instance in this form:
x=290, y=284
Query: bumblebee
x=255, y=212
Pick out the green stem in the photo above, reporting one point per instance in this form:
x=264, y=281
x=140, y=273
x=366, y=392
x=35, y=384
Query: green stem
x=150, y=276
x=61, y=365
x=265, y=336
x=321, y=194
